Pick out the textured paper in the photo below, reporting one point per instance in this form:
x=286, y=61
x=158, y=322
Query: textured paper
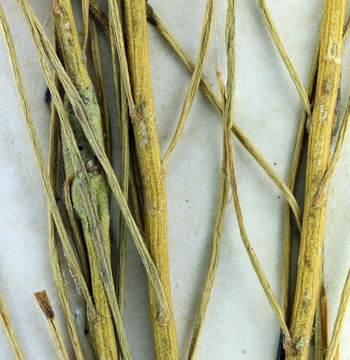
x=239, y=323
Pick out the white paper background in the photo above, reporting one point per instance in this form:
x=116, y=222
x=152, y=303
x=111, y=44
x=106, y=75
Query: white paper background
x=239, y=323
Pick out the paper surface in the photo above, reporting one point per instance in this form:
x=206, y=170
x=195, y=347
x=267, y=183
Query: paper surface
x=239, y=323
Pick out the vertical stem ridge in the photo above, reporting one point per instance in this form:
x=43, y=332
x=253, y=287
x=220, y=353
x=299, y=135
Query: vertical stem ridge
x=310, y=255
x=147, y=148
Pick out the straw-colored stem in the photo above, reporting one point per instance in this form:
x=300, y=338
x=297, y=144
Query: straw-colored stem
x=310, y=254
x=230, y=41
x=100, y=87
x=293, y=74
x=321, y=325
x=54, y=256
x=214, y=258
x=85, y=5
x=103, y=332
x=39, y=36
x=346, y=29
x=44, y=48
x=57, y=271
x=127, y=174
x=251, y=253
x=318, y=333
x=45, y=305
x=288, y=232
x=209, y=93
x=339, y=321
x=5, y=319
x=73, y=262
x=135, y=195
x=195, y=80
x=322, y=191
x=78, y=240
x=324, y=316
x=147, y=149
x=227, y=118
x=287, y=239
x=101, y=17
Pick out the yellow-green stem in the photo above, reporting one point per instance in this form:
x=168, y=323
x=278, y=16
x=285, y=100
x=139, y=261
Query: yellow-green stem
x=310, y=254
x=148, y=154
x=103, y=332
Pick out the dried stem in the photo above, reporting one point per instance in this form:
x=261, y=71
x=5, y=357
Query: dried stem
x=38, y=35
x=322, y=191
x=43, y=48
x=227, y=118
x=318, y=334
x=103, y=332
x=321, y=325
x=251, y=253
x=293, y=177
x=346, y=29
x=209, y=93
x=101, y=17
x=45, y=305
x=73, y=262
x=85, y=5
x=288, y=233
x=274, y=33
x=148, y=155
x=230, y=40
x=54, y=256
x=78, y=241
x=339, y=321
x=100, y=87
x=324, y=315
x=310, y=255
x=195, y=80
x=127, y=173
x=10, y=332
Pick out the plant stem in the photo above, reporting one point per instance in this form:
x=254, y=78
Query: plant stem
x=321, y=193
x=103, y=332
x=100, y=87
x=73, y=262
x=54, y=256
x=127, y=174
x=45, y=305
x=227, y=119
x=231, y=71
x=293, y=74
x=321, y=325
x=195, y=80
x=251, y=253
x=287, y=235
x=44, y=48
x=10, y=332
x=121, y=100
x=78, y=240
x=310, y=255
x=339, y=321
x=209, y=93
x=85, y=10
x=214, y=258
x=148, y=155
x=101, y=17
